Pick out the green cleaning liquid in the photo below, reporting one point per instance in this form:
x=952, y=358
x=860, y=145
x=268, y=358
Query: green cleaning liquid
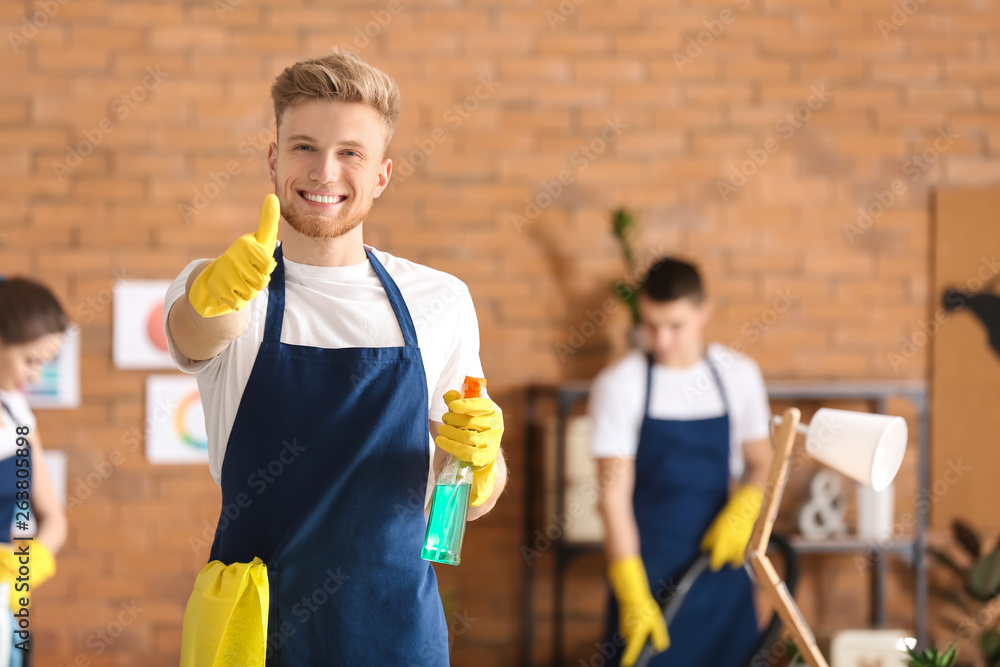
x=446, y=524
x=450, y=502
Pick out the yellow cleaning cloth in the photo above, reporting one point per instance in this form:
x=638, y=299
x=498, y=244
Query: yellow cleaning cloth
x=225, y=622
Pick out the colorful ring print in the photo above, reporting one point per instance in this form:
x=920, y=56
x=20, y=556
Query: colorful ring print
x=187, y=403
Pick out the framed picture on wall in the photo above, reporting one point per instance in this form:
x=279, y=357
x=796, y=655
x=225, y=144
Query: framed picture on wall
x=58, y=384
x=139, y=339
x=175, y=420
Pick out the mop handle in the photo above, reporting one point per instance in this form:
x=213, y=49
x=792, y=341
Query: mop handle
x=675, y=602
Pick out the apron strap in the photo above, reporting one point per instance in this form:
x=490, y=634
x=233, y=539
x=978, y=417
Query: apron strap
x=718, y=381
x=276, y=300
x=6, y=408
x=396, y=300
x=711, y=367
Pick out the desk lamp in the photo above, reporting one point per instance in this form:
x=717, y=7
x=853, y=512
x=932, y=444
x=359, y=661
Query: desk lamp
x=866, y=447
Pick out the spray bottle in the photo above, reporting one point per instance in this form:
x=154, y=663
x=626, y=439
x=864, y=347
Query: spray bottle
x=450, y=502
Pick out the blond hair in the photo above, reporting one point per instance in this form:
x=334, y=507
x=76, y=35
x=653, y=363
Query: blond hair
x=343, y=77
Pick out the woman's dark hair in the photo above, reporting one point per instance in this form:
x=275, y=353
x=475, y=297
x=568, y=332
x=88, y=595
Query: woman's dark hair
x=28, y=311
x=672, y=279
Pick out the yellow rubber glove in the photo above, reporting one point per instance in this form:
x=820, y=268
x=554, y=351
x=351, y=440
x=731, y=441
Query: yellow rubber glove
x=39, y=566
x=225, y=622
x=639, y=616
x=234, y=278
x=729, y=534
x=471, y=432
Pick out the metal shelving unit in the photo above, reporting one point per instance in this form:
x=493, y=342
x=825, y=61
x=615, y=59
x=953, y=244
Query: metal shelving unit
x=876, y=393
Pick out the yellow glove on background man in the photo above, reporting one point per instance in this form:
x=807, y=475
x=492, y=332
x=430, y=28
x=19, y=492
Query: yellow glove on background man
x=235, y=277
x=639, y=616
x=40, y=564
x=471, y=432
x=729, y=534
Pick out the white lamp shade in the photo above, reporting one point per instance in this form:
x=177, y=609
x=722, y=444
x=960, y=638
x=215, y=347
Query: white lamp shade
x=866, y=447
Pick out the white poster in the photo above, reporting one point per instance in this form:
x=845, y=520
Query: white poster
x=175, y=421
x=58, y=383
x=139, y=339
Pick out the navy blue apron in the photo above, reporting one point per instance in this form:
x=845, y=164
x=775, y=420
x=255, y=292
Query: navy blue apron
x=8, y=483
x=681, y=485
x=327, y=449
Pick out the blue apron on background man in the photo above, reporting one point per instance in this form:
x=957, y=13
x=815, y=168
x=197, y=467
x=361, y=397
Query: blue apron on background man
x=681, y=484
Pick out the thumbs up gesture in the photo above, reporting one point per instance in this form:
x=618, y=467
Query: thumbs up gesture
x=234, y=278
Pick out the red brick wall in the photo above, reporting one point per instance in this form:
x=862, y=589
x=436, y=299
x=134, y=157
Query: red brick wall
x=501, y=101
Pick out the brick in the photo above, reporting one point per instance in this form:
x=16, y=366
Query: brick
x=716, y=93
x=940, y=97
x=798, y=47
x=13, y=112
x=616, y=69
x=906, y=72
x=203, y=38
x=79, y=59
x=146, y=14
x=534, y=69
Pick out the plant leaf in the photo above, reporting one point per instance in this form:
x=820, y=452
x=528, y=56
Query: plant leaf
x=989, y=644
x=984, y=579
x=949, y=657
x=950, y=595
x=945, y=559
x=967, y=537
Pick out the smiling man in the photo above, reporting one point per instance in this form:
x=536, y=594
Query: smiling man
x=323, y=366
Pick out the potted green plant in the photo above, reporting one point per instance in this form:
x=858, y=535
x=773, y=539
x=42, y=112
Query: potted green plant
x=623, y=229
x=930, y=657
x=978, y=576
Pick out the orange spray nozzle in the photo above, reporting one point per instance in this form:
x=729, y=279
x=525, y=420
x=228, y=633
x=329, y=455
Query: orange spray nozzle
x=473, y=387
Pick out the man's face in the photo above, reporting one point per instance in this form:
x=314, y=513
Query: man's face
x=673, y=329
x=20, y=364
x=327, y=166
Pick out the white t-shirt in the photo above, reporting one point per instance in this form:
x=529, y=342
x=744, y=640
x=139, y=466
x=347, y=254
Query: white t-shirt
x=618, y=394
x=337, y=307
x=8, y=428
